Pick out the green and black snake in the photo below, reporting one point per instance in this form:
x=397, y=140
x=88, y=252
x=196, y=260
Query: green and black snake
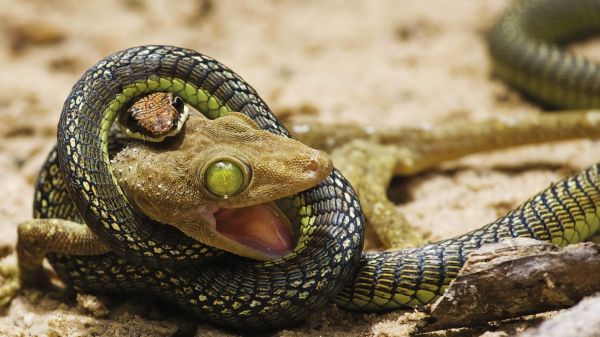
x=329, y=263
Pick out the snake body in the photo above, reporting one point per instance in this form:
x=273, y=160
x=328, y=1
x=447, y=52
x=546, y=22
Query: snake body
x=524, y=53
x=328, y=261
x=152, y=257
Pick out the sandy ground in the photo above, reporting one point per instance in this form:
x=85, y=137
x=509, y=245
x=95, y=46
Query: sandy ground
x=378, y=63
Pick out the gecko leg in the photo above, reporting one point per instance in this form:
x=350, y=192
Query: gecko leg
x=369, y=167
x=38, y=237
x=374, y=157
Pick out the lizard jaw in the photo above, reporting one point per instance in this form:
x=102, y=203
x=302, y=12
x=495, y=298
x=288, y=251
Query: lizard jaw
x=260, y=232
x=262, y=228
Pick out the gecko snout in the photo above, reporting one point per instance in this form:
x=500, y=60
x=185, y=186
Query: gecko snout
x=319, y=164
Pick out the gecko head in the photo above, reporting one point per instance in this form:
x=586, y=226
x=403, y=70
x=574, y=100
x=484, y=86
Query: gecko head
x=217, y=181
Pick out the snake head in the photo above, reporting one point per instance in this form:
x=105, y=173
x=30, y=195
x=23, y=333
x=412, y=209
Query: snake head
x=217, y=181
x=154, y=117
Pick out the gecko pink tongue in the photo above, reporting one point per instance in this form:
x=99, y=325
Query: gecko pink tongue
x=259, y=227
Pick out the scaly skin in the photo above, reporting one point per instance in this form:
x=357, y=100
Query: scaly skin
x=370, y=158
x=165, y=182
x=154, y=117
x=525, y=53
x=247, y=294
x=151, y=257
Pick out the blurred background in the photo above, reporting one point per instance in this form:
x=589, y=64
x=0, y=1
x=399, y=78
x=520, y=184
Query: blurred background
x=376, y=63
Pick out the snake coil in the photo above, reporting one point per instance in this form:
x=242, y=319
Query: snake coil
x=236, y=292
x=240, y=293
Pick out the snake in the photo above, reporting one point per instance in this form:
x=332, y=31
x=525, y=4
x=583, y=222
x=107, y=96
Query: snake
x=76, y=183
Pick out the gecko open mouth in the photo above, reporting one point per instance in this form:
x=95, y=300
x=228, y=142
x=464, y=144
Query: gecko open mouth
x=261, y=227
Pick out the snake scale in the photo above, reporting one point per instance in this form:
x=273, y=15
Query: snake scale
x=76, y=184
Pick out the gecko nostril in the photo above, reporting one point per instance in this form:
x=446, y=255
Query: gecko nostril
x=313, y=165
x=319, y=162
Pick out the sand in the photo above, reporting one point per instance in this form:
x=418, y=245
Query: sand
x=374, y=63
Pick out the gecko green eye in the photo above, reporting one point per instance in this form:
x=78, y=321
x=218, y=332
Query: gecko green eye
x=225, y=178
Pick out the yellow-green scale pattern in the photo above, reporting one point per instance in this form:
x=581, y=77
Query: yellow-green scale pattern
x=247, y=294
x=206, y=103
x=524, y=49
x=565, y=213
x=150, y=257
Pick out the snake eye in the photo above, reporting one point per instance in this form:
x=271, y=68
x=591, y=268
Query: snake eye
x=177, y=104
x=225, y=178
